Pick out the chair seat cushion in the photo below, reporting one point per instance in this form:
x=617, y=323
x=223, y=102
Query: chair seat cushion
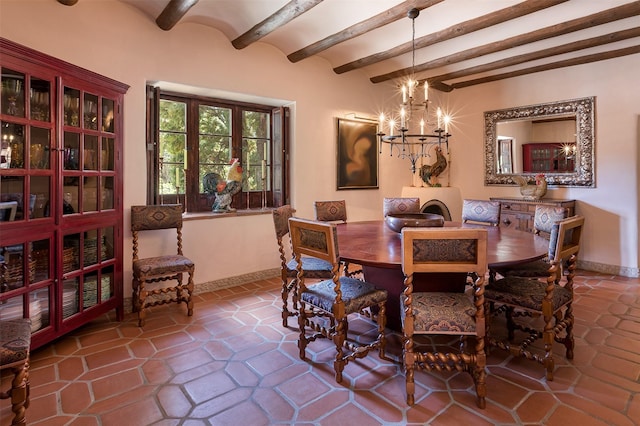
x=525, y=292
x=441, y=313
x=15, y=339
x=356, y=294
x=162, y=265
x=535, y=269
x=312, y=267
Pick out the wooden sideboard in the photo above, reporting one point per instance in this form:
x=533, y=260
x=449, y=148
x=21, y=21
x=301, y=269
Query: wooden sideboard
x=517, y=213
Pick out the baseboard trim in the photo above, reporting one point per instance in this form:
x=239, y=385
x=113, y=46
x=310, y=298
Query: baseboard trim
x=623, y=271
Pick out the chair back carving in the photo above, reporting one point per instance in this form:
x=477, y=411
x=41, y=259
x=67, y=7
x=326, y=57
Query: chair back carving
x=331, y=211
x=565, y=238
x=444, y=250
x=400, y=205
x=545, y=217
x=481, y=211
x=146, y=218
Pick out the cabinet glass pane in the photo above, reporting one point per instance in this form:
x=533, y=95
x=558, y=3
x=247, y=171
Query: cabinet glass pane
x=90, y=153
x=40, y=193
x=106, y=284
x=12, y=99
x=12, y=198
x=90, y=111
x=90, y=253
x=39, y=311
x=71, y=160
x=107, y=193
x=17, y=261
x=70, y=297
x=40, y=103
x=107, y=243
x=71, y=107
x=90, y=290
x=12, y=136
x=15, y=308
x=107, y=115
x=70, y=193
x=106, y=159
x=71, y=253
x=39, y=148
x=40, y=258
x=90, y=194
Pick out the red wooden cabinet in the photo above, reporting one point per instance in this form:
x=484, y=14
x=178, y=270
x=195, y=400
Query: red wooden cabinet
x=60, y=194
x=548, y=157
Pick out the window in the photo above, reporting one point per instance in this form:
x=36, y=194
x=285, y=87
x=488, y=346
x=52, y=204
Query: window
x=190, y=137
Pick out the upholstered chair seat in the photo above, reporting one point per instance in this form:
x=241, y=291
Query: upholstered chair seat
x=441, y=251
x=159, y=268
x=15, y=343
x=313, y=268
x=547, y=300
x=325, y=307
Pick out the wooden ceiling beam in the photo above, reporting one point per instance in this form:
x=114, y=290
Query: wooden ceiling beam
x=395, y=13
x=288, y=12
x=453, y=31
x=596, y=57
x=625, y=11
x=173, y=12
x=544, y=53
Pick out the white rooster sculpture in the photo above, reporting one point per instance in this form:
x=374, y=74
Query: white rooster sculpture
x=532, y=191
x=224, y=189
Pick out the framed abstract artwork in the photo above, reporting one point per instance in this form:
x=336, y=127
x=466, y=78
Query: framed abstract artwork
x=357, y=162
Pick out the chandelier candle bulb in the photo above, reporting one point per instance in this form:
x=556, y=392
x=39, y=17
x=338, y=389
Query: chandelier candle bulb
x=422, y=127
x=381, y=123
x=426, y=92
x=446, y=123
x=402, y=122
x=404, y=94
x=439, y=115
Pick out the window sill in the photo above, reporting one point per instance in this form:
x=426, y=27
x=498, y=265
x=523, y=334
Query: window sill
x=189, y=216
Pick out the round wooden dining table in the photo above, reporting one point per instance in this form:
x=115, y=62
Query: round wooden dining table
x=378, y=250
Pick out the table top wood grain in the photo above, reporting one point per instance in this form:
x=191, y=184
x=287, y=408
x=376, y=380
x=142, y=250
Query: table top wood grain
x=372, y=243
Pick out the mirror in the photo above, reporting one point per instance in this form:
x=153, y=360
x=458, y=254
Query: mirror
x=555, y=138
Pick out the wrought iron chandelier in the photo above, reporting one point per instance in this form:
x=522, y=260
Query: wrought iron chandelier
x=407, y=142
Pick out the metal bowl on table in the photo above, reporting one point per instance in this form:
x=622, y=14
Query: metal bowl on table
x=396, y=222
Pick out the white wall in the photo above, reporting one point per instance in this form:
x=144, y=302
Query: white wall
x=116, y=40
x=610, y=209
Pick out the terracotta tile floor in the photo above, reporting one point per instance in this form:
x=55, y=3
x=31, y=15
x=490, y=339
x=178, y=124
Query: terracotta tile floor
x=233, y=363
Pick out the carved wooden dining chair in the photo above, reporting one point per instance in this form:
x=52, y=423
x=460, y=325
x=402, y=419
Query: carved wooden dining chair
x=522, y=297
x=326, y=306
x=158, y=269
x=444, y=250
x=484, y=212
x=331, y=211
x=400, y=205
x=313, y=268
x=544, y=219
x=15, y=343
x=336, y=212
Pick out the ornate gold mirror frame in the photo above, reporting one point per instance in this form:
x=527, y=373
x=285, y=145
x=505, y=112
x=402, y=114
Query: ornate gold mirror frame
x=584, y=111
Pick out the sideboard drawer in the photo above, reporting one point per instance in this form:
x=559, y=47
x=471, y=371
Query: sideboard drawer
x=518, y=213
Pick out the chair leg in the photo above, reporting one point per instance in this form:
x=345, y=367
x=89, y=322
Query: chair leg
x=135, y=297
x=19, y=393
x=302, y=339
x=409, y=362
x=338, y=339
x=288, y=288
x=479, y=373
x=548, y=337
x=382, y=323
x=189, y=299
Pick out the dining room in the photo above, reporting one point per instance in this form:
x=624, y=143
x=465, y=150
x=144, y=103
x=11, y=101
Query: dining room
x=108, y=370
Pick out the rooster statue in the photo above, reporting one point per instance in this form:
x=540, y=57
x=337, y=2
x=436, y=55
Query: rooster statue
x=430, y=172
x=532, y=191
x=224, y=190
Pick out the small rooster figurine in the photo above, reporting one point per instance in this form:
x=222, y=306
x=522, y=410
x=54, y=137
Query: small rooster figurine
x=224, y=190
x=430, y=172
x=532, y=191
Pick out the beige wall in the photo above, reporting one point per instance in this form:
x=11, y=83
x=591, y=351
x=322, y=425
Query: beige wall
x=116, y=40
